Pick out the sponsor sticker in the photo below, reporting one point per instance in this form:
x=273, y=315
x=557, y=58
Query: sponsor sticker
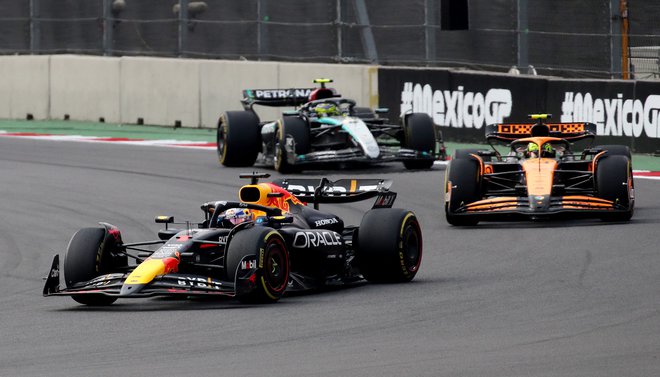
x=307, y=239
x=322, y=222
x=248, y=264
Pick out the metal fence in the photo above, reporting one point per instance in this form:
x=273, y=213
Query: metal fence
x=587, y=38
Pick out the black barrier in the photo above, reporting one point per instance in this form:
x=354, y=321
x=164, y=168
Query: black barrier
x=596, y=101
x=461, y=103
x=647, y=99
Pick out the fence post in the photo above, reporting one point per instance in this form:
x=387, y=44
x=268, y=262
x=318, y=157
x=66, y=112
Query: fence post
x=615, y=40
x=367, y=35
x=35, y=32
x=523, y=30
x=108, y=23
x=183, y=28
x=262, y=30
x=338, y=22
x=429, y=30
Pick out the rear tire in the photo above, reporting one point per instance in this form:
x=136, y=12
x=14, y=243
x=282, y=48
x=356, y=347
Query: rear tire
x=298, y=129
x=614, y=182
x=389, y=245
x=272, y=276
x=239, y=139
x=463, y=175
x=87, y=257
x=419, y=134
x=363, y=113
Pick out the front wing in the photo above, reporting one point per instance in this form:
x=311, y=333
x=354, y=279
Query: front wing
x=173, y=284
x=387, y=154
x=519, y=207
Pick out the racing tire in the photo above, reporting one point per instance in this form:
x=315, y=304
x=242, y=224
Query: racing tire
x=464, y=153
x=464, y=177
x=616, y=150
x=272, y=263
x=419, y=134
x=614, y=181
x=363, y=113
x=389, y=245
x=86, y=258
x=239, y=138
x=298, y=129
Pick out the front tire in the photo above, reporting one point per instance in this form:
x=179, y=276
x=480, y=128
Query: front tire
x=614, y=182
x=464, y=178
x=272, y=259
x=616, y=150
x=87, y=257
x=389, y=245
x=298, y=129
x=239, y=139
x=419, y=135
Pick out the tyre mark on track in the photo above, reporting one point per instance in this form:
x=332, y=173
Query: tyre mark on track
x=585, y=267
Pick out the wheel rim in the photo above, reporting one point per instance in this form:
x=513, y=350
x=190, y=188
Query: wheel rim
x=221, y=142
x=411, y=248
x=278, y=157
x=276, y=269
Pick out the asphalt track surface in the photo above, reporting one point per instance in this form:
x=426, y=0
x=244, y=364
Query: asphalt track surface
x=523, y=299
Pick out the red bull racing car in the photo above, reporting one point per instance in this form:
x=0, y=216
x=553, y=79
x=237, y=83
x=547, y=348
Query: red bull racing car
x=323, y=128
x=254, y=250
x=540, y=177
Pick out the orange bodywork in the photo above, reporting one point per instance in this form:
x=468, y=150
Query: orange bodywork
x=539, y=173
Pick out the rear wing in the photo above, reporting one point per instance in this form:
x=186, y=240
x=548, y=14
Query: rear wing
x=275, y=97
x=340, y=191
x=514, y=131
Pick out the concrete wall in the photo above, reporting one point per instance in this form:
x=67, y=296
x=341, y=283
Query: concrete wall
x=161, y=91
x=85, y=88
x=24, y=87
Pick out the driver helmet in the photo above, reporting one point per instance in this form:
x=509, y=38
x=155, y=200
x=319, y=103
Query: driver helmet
x=326, y=110
x=532, y=150
x=235, y=216
x=548, y=151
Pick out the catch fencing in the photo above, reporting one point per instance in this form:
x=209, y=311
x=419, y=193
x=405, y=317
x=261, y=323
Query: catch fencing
x=587, y=38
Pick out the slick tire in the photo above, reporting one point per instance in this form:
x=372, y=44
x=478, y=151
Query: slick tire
x=614, y=182
x=298, y=129
x=86, y=258
x=363, y=113
x=419, y=134
x=272, y=263
x=389, y=245
x=464, y=153
x=464, y=177
x=616, y=150
x=239, y=138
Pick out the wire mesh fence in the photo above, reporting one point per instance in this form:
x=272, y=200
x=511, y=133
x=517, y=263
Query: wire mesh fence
x=589, y=38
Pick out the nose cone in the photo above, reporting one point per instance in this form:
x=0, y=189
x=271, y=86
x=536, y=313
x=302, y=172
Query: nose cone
x=142, y=275
x=539, y=202
x=129, y=289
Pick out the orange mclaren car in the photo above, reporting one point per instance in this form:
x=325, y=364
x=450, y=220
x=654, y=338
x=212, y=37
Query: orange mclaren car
x=540, y=177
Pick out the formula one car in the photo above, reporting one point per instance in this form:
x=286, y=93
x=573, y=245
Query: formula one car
x=324, y=128
x=540, y=177
x=255, y=250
